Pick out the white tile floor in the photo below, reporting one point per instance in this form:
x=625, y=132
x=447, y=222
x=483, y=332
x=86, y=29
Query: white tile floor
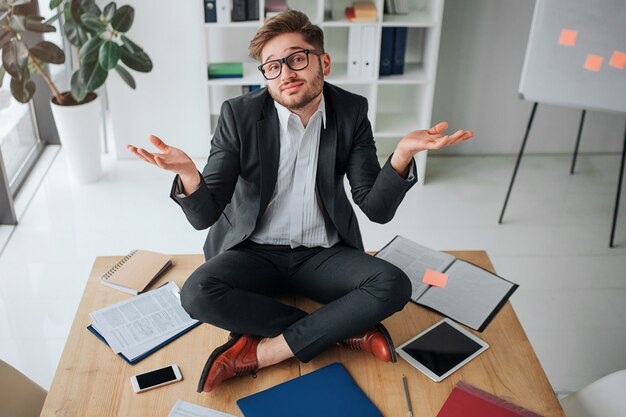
x=554, y=243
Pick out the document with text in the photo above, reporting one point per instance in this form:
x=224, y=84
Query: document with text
x=136, y=325
x=187, y=409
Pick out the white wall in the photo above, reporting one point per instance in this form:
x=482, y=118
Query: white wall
x=480, y=59
x=171, y=101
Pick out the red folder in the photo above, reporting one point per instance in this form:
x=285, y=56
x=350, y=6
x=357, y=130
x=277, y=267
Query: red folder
x=469, y=401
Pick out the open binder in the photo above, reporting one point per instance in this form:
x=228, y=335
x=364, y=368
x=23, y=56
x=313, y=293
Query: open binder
x=472, y=295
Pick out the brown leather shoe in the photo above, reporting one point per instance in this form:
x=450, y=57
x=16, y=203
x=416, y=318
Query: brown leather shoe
x=234, y=358
x=377, y=341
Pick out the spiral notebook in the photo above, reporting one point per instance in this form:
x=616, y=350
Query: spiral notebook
x=134, y=273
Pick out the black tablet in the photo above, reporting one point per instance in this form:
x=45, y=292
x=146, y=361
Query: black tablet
x=441, y=349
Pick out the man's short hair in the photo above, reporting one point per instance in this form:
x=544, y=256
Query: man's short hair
x=290, y=21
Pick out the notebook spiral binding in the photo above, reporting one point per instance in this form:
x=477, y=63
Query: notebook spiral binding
x=118, y=265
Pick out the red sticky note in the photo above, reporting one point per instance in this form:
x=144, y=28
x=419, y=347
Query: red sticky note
x=593, y=62
x=568, y=37
x=437, y=279
x=618, y=60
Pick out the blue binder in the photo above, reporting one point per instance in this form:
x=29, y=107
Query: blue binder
x=386, y=51
x=210, y=11
x=399, y=50
x=133, y=361
x=327, y=392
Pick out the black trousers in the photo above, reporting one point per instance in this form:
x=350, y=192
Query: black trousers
x=236, y=291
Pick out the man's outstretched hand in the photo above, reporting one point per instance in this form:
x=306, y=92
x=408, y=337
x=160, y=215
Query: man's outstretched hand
x=421, y=140
x=171, y=159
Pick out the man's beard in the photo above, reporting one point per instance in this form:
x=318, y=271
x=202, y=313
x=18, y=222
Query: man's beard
x=314, y=90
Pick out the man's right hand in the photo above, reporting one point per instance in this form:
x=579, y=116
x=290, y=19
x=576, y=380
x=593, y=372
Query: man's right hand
x=171, y=159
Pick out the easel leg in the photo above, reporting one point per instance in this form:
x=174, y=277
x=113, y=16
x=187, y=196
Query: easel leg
x=619, y=191
x=519, y=158
x=580, y=130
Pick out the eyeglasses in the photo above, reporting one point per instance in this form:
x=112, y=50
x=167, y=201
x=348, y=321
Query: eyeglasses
x=296, y=61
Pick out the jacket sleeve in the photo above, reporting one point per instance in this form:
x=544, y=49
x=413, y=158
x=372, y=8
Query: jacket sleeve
x=377, y=191
x=204, y=206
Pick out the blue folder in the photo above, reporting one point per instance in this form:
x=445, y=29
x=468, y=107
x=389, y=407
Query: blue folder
x=326, y=392
x=133, y=361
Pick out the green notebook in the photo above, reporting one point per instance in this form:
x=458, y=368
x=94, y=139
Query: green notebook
x=226, y=70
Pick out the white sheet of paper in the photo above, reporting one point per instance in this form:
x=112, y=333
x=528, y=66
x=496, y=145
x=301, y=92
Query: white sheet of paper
x=186, y=409
x=143, y=319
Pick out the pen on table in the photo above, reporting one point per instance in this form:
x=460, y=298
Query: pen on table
x=406, y=394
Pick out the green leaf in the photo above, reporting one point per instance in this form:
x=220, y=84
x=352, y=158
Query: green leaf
x=34, y=24
x=90, y=50
x=67, y=12
x=109, y=55
x=3, y=71
x=128, y=79
x=109, y=10
x=123, y=18
x=48, y=52
x=93, y=22
x=139, y=61
x=18, y=23
x=79, y=92
x=23, y=90
x=91, y=75
x=75, y=33
x=54, y=4
x=80, y=7
x=130, y=45
x=15, y=59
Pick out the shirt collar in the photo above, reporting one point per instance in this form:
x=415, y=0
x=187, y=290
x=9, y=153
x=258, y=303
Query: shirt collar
x=284, y=114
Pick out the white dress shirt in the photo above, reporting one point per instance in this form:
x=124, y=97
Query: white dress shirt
x=294, y=214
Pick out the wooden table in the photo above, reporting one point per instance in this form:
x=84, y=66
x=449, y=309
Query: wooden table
x=92, y=381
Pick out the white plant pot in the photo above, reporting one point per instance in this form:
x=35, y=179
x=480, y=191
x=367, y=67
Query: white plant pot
x=79, y=129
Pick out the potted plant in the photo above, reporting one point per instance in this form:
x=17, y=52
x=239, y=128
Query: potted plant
x=100, y=37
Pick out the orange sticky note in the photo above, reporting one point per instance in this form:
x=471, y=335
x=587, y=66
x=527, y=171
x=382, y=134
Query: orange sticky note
x=618, y=60
x=593, y=62
x=568, y=37
x=437, y=279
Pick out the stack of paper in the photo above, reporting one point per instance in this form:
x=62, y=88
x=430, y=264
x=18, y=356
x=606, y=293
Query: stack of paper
x=139, y=326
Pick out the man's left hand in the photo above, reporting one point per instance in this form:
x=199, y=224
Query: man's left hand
x=421, y=140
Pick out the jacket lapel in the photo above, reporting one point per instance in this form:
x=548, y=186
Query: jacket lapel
x=268, y=138
x=326, y=159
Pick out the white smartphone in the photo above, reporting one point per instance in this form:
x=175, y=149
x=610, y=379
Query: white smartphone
x=156, y=378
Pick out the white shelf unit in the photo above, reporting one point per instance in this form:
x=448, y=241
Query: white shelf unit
x=398, y=104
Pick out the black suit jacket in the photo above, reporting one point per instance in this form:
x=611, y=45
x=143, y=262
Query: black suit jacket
x=240, y=174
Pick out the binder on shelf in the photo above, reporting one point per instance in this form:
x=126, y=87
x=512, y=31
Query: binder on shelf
x=225, y=70
x=134, y=273
x=223, y=10
x=399, y=50
x=468, y=401
x=386, y=51
x=329, y=391
x=355, y=39
x=210, y=11
x=252, y=9
x=368, y=52
x=238, y=13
